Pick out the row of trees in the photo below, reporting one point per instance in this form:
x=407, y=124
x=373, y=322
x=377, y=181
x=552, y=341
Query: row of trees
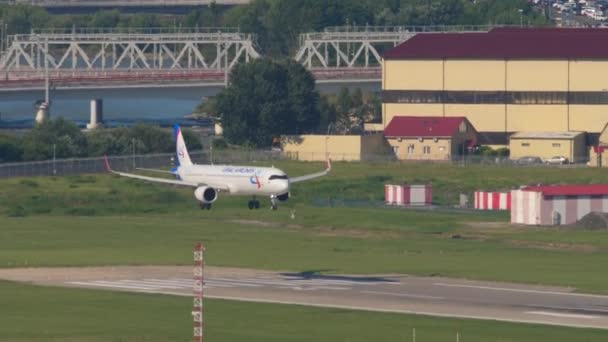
x=65, y=140
x=277, y=23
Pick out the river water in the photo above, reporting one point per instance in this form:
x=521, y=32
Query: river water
x=162, y=106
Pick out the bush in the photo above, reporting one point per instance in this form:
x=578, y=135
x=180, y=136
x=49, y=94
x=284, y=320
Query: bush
x=220, y=144
x=81, y=211
x=17, y=211
x=28, y=182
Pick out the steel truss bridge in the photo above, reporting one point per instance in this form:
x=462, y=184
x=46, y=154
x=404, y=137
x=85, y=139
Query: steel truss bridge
x=155, y=57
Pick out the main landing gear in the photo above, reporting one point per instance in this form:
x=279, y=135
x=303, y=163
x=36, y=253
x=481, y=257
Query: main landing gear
x=205, y=206
x=253, y=204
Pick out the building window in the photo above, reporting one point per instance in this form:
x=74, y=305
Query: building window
x=557, y=145
x=426, y=150
x=525, y=144
x=396, y=150
x=410, y=149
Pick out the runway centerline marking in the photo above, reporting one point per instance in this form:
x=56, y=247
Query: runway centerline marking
x=402, y=295
x=479, y=287
x=557, y=314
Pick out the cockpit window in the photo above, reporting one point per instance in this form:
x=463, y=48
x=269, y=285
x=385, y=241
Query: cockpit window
x=277, y=177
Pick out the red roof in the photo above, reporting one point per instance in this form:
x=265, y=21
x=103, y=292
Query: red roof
x=570, y=190
x=507, y=43
x=423, y=126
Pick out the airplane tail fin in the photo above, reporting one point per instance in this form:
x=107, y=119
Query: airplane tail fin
x=183, y=158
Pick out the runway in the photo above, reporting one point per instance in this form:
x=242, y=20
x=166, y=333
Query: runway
x=390, y=293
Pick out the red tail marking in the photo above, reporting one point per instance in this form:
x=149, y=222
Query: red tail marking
x=107, y=163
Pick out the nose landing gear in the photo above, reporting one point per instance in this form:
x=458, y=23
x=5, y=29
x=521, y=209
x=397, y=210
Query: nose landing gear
x=274, y=205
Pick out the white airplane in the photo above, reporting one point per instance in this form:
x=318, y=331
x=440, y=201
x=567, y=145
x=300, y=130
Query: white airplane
x=209, y=180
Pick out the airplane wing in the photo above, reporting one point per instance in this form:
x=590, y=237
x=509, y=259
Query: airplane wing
x=155, y=170
x=150, y=179
x=312, y=175
x=221, y=187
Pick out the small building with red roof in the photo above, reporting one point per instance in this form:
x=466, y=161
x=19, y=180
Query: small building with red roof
x=503, y=81
x=557, y=204
x=429, y=137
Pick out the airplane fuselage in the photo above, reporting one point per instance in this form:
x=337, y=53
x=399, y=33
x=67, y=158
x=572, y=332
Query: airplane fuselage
x=241, y=180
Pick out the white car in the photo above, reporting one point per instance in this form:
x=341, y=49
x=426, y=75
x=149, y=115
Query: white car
x=559, y=160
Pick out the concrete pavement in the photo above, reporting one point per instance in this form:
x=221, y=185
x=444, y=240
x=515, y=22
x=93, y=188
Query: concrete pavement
x=388, y=293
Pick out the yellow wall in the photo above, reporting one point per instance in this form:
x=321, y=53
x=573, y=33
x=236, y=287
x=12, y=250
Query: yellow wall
x=336, y=147
x=537, y=75
x=490, y=75
x=373, y=127
x=314, y=147
x=485, y=118
x=588, y=75
x=529, y=118
x=411, y=109
x=573, y=149
x=589, y=118
x=413, y=74
x=440, y=150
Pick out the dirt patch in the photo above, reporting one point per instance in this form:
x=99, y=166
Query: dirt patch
x=470, y=237
x=357, y=233
x=553, y=246
x=266, y=224
x=487, y=225
x=256, y=223
x=592, y=221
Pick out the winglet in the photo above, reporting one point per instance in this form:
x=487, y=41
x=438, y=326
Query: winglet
x=108, y=169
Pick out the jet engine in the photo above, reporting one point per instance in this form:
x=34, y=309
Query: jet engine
x=205, y=194
x=283, y=197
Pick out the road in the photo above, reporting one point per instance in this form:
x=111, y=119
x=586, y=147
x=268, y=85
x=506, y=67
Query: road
x=393, y=293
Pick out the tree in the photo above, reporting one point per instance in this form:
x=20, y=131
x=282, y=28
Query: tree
x=266, y=99
x=10, y=148
x=67, y=138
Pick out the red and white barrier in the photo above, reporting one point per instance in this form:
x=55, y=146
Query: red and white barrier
x=408, y=195
x=492, y=200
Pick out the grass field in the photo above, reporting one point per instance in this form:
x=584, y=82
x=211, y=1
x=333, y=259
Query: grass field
x=415, y=246
x=36, y=314
x=104, y=220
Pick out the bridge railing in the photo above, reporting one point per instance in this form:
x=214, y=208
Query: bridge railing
x=135, y=30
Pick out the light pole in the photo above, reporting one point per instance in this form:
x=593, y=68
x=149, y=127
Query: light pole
x=54, y=159
x=133, y=151
x=326, y=139
x=521, y=17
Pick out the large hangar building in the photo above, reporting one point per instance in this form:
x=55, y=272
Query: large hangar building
x=504, y=81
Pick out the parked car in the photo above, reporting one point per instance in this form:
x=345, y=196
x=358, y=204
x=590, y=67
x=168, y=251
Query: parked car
x=529, y=160
x=558, y=160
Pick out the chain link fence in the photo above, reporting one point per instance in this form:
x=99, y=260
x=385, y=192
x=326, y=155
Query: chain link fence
x=76, y=166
